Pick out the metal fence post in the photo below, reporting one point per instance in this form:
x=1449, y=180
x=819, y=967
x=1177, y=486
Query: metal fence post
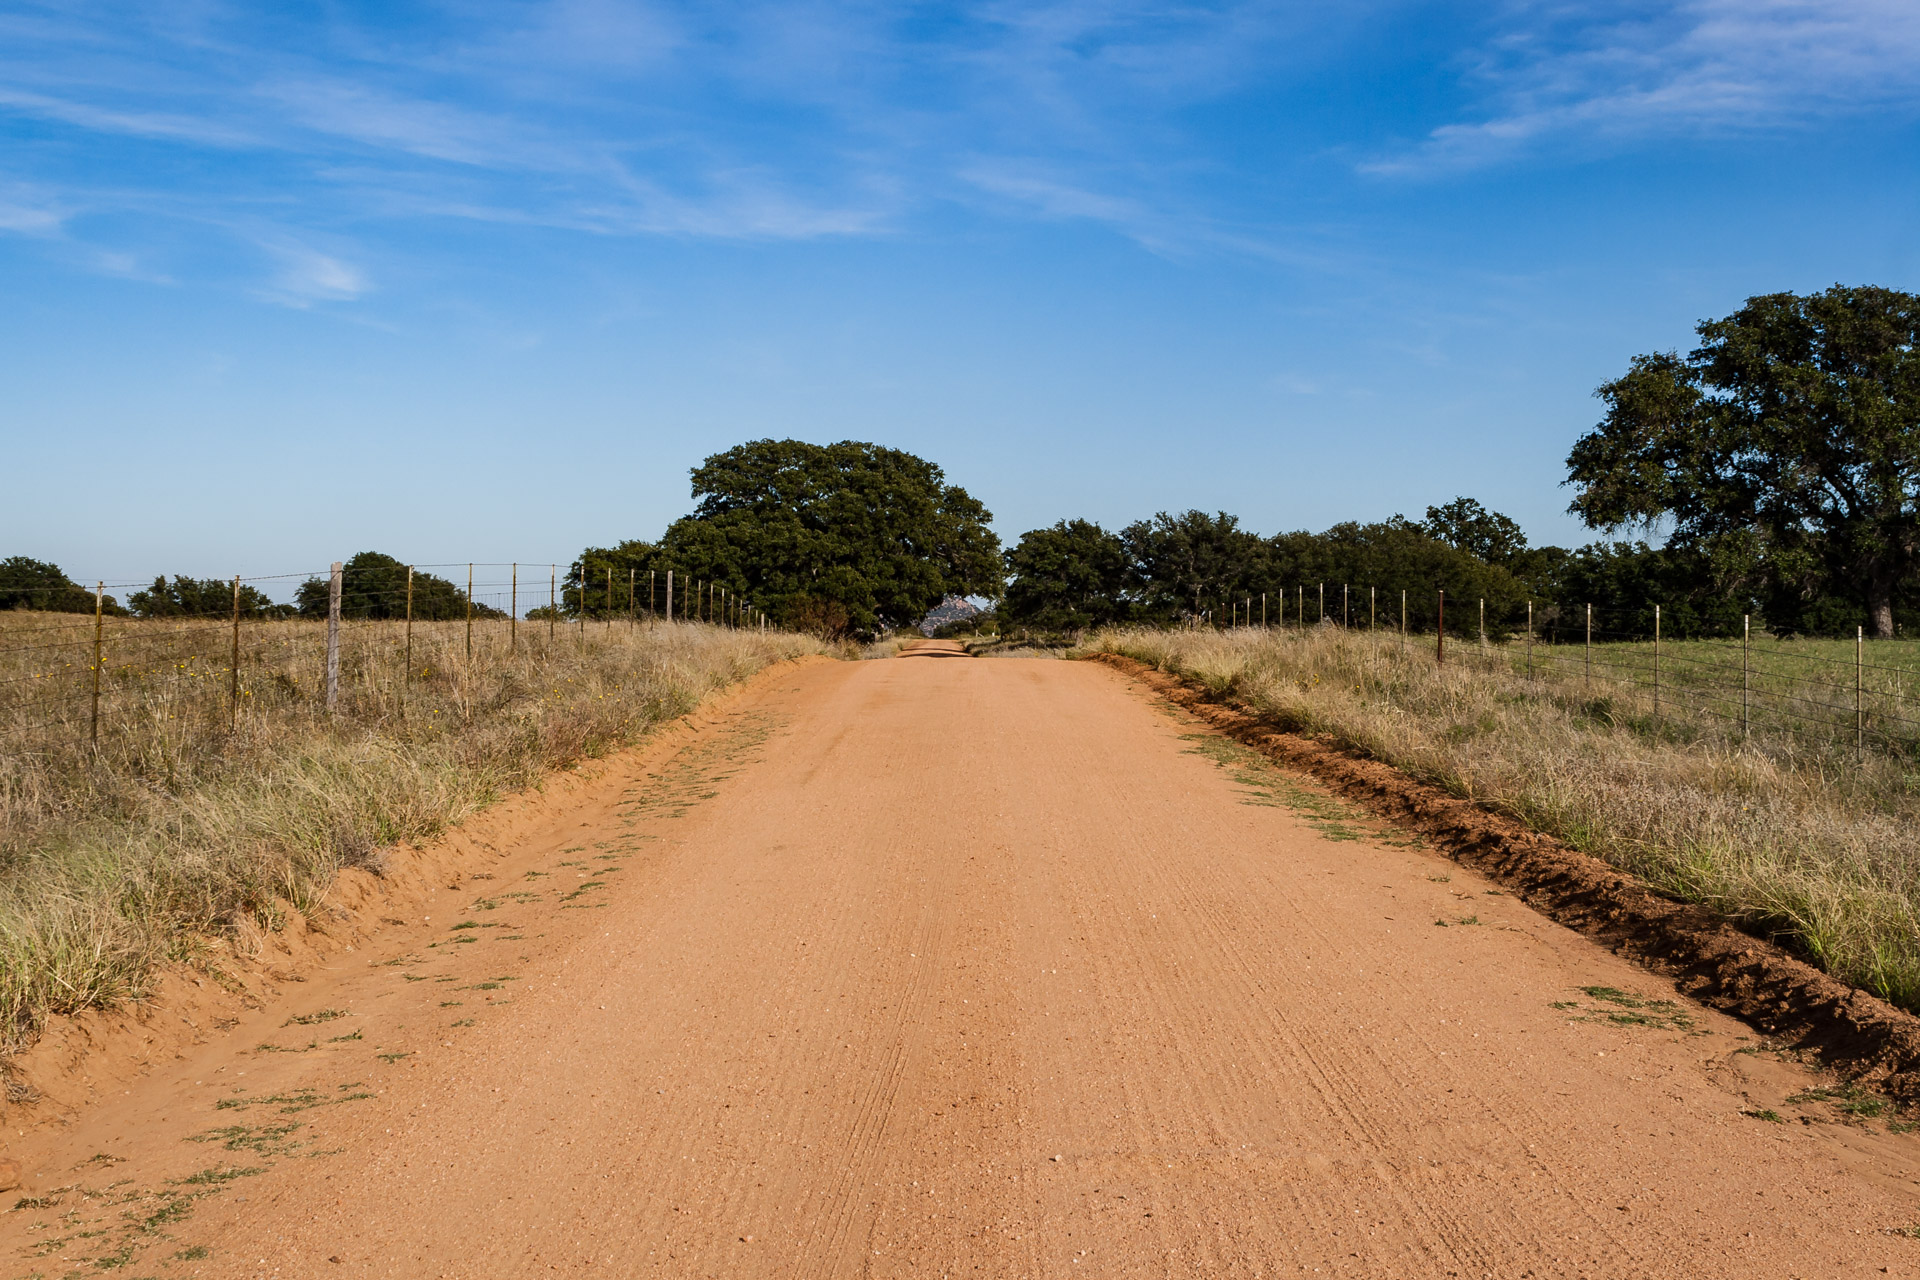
x=333, y=638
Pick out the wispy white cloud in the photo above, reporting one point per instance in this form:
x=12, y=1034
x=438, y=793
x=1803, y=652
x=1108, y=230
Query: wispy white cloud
x=1603, y=74
x=305, y=275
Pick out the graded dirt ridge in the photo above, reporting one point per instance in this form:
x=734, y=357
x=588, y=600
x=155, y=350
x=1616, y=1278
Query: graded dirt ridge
x=982, y=966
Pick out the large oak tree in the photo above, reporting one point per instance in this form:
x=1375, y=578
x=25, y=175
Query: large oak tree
x=1796, y=421
x=850, y=531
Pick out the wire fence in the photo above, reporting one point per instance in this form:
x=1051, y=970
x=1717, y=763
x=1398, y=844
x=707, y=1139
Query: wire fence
x=71, y=683
x=1615, y=658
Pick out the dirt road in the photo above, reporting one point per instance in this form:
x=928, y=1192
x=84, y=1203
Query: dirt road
x=943, y=966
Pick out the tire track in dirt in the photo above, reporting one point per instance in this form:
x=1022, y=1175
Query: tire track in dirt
x=921, y=968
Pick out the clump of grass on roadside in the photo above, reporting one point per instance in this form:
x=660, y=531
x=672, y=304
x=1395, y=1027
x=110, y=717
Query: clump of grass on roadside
x=159, y=843
x=1791, y=837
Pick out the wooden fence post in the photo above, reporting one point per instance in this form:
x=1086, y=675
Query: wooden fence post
x=513, y=611
x=1656, y=662
x=1746, y=679
x=1859, y=683
x=99, y=624
x=233, y=664
x=1529, y=638
x=553, y=601
x=469, y=613
x=407, y=677
x=1440, y=632
x=669, y=595
x=333, y=639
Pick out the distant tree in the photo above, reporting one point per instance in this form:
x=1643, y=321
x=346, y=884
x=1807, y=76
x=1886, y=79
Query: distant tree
x=1467, y=526
x=607, y=571
x=1389, y=557
x=846, y=537
x=37, y=584
x=1194, y=563
x=1796, y=420
x=373, y=585
x=1071, y=577
x=1702, y=590
x=200, y=597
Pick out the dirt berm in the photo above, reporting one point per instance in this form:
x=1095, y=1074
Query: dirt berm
x=1709, y=957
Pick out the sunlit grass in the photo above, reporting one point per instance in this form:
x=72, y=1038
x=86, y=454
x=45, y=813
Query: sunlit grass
x=190, y=817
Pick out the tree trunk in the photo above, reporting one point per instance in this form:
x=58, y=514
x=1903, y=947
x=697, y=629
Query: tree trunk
x=1880, y=604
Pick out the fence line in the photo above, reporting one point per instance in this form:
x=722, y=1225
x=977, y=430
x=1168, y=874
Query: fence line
x=1831, y=698
x=70, y=681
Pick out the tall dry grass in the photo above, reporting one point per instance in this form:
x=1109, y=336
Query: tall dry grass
x=1796, y=838
x=179, y=825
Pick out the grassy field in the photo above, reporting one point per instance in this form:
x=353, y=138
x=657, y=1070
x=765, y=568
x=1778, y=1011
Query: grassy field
x=1789, y=832
x=1797, y=686
x=190, y=815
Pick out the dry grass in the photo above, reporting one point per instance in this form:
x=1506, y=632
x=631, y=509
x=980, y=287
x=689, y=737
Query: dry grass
x=158, y=842
x=1793, y=837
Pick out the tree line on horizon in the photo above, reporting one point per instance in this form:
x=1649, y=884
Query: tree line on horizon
x=1783, y=453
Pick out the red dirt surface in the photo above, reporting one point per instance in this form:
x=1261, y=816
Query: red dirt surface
x=996, y=967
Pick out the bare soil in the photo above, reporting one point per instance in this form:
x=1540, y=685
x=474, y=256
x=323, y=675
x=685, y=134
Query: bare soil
x=916, y=968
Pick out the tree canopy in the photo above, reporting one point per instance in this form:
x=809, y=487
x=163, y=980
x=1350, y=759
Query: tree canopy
x=201, y=597
x=373, y=585
x=1071, y=577
x=1796, y=421
x=26, y=583
x=846, y=536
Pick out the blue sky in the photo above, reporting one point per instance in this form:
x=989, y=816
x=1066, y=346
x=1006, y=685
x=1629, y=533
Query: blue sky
x=484, y=280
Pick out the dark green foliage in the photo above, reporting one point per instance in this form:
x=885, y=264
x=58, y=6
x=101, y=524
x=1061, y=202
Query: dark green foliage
x=200, y=598
x=1393, y=556
x=611, y=572
x=1796, y=422
x=373, y=585
x=1194, y=563
x=36, y=584
x=1465, y=525
x=1068, y=578
x=837, y=538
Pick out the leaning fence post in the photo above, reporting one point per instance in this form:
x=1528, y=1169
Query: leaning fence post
x=1440, y=631
x=99, y=624
x=333, y=638
x=233, y=664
